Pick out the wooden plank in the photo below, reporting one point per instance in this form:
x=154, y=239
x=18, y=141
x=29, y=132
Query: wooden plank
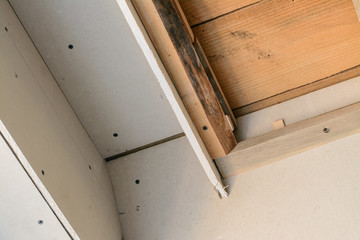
x=290, y=140
x=172, y=96
x=166, y=29
x=296, y=92
x=278, y=124
x=181, y=13
x=214, y=82
x=198, y=11
x=276, y=46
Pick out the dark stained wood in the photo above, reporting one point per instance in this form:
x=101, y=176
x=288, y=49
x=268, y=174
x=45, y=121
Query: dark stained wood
x=168, y=32
x=214, y=83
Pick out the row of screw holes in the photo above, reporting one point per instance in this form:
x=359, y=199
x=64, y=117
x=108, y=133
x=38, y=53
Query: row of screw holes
x=70, y=46
x=137, y=181
x=40, y=222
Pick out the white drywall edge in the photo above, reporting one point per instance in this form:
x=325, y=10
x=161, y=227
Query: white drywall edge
x=37, y=182
x=172, y=95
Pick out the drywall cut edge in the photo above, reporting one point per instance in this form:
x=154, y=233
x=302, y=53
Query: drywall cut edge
x=172, y=95
x=290, y=140
x=36, y=180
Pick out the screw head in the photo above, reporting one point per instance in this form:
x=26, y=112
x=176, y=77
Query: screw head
x=326, y=130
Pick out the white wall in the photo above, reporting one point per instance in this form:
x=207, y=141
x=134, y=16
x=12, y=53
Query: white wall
x=313, y=195
x=39, y=118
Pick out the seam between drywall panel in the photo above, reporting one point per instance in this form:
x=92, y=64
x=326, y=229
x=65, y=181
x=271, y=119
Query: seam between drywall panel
x=174, y=100
x=37, y=182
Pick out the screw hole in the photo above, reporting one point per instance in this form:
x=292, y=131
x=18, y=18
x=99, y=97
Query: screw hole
x=40, y=222
x=137, y=181
x=70, y=46
x=115, y=135
x=205, y=127
x=89, y=167
x=6, y=29
x=42, y=172
x=326, y=130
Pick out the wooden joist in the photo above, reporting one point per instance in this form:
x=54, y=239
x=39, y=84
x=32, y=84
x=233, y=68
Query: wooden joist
x=290, y=140
x=173, y=41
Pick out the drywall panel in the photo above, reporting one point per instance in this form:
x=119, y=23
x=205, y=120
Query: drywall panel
x=101, y=69
x=313, y=195
x=300, y=108
x=172, y=95
x=24, y=212
x=39, y=118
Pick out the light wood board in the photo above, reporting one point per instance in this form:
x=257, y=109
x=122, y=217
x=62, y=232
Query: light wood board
x=198, y=11
x=258, y=151
x=274, y=50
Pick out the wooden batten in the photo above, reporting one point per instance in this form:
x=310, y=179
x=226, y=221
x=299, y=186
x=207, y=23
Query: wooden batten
x=290, y=140
x=173, y=40
x=214, y=83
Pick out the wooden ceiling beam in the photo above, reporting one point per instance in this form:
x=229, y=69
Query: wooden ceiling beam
x=173, y=40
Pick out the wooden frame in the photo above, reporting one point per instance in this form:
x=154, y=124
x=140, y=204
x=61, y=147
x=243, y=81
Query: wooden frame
x=172, y=96
x=290, y=140
x=191, y=74
x=198, y=100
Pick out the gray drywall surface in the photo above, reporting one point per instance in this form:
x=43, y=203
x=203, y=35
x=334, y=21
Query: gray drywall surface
x=24, y=212
x=105, y=75
x=42, y=123
x=313, y=195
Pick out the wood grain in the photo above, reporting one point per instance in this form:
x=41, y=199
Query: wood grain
x=214, y=82
x=172, y=96
x=198, y=11
x=296, y=92
x=174, y=45
x=290, y=140
x=278, y=46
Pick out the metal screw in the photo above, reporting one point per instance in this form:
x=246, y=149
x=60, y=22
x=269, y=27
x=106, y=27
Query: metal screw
x=326, y=130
